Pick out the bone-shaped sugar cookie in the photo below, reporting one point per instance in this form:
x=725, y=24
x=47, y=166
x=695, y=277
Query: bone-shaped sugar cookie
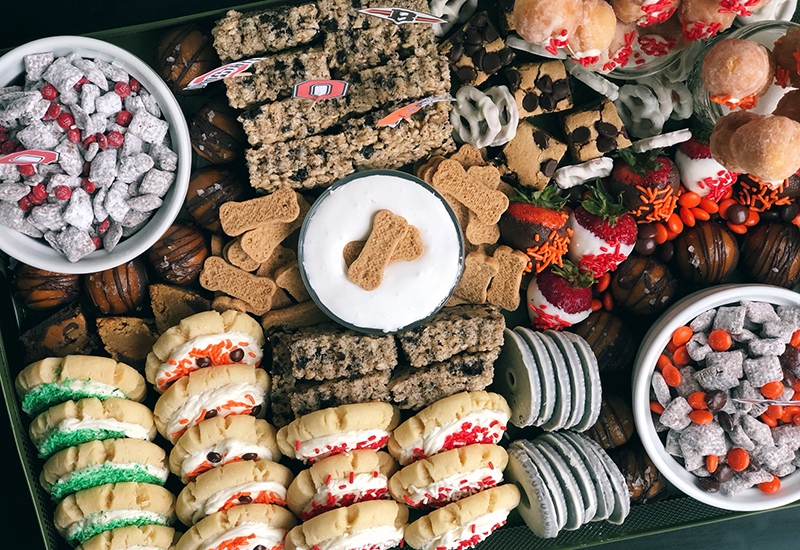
x=408, y=249
x=504, y=290
x=259, y=243
x=387, y=230
x=488, y=204
x=239, y=217
x=478, y=272
x=257, y=291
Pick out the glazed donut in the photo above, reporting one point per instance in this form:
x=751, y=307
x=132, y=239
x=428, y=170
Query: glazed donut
x=703, y=19
x=721, y=138
x=475, y=117
x=658, y=40
x=767, y=147
x=736, y=72
x=619, y=51
x=547, y=23
x=789, y=105
x=644, y=12
x=783, y=53
x=594, y=33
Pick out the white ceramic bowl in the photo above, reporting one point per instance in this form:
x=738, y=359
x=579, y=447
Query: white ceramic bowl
x=653, y=344
x=37, y=252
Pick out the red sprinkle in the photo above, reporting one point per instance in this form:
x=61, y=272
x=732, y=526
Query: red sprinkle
x=49, y=92
x=124, y=118
x=63, y=192
x=65, y=120
x=123, y=89
x=26, y=170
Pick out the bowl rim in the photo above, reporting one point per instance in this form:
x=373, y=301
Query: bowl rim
x=681, y=313
x=34, y=251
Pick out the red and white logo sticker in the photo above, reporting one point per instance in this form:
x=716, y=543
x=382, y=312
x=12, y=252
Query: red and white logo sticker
x=396, y=117
x=398, y=16
x=320, y=89
x=31, y=156
x=226, y=71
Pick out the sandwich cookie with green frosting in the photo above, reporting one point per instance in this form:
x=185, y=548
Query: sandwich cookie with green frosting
x=133, y=537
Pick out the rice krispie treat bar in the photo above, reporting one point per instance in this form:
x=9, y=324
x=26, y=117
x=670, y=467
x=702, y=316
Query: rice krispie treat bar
x=239, y=35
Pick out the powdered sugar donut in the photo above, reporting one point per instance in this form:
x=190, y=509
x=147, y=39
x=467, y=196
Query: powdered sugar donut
x=736, y=72
x=702, y=19
x=594, y=33
x=547, y=23
x=767, y=147
x=720, y=140
x=644, y=12
x=789, y=105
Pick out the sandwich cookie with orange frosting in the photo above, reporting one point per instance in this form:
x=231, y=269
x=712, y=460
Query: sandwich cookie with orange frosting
x=244, y=527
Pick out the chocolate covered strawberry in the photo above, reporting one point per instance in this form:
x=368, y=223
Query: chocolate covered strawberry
x=701, y=173
x=648, y=183
x=603, y=233
x=537, y=225
x=559, y=297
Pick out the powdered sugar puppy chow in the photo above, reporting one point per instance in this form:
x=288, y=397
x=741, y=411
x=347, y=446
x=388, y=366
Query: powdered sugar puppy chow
x=546, y=23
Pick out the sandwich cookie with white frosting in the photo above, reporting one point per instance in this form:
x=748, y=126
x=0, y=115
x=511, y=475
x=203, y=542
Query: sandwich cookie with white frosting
x=223, y=390
x=449, y=476
x=234, y=484
x=204, y=340
x=75, y=422
x=222, y=440
x=341, y=480
x=54, y=380
x=465, y=523
x=335, y=430
x=245, y=527
x=376, y=525
x=149, y=537
x=84, y=514
x=462, y=419
x=100, y=462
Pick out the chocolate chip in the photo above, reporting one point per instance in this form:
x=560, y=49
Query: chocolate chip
x=530, y=102
x=467, y=74
x=514, y=79
x=259, y=547
x=211, y=414
x=457, y=38
x=214, y=457
x=203, y=362
x=547, y=102
x=506, y=55
x=489, y=34
x=236, y=355
x=581, y=135
x=723, y=473
x=540, y=139
x=245, y=499
x=604, y=144
x=560, y=90
x=455, y=53
x=725, y=421
x=708, y=485
x=256, y=410
x=715, y=400
x=544, y=83
x=548, y=167
x=250, y=456
x=470, y=49
x=472, y=36
x=477, y=58
x=606, y=129
x=491, y=63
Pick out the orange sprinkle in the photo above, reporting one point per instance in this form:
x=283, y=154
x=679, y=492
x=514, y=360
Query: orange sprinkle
x=549, y=252
x=657, y=205
x=760, y=196
x=748, y=102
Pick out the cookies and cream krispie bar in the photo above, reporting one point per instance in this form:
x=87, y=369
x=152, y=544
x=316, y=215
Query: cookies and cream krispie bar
x=239, y=35
x=398, y=80
x=275, y=77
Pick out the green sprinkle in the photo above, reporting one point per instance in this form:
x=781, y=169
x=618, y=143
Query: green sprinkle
x=59, y=439
x=45, y=396
x=99, y=527
x=109, y=472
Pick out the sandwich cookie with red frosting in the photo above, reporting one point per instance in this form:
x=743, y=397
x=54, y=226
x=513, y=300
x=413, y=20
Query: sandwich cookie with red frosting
x=245, y=527
x=341, y=480
x=449, y=476
x=335, y=430
x=223, y=390
x=204, y=340
x=222, y=440
x=462, y=419
x=234, y=484
x=465, y=523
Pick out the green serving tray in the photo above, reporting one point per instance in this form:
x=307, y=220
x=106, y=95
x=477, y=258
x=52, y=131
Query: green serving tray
x=676, y=512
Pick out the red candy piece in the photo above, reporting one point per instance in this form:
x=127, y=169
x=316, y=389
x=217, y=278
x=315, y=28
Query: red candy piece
x=124, y=118
x=52, y=111
x=63, y=192
x=65, y=120
x=34, y=199
x=39, y=190
x=3, y=138
x=49, y=92
x=25, y=204
x=74, y=135
x=97, y=242
x=88, y=186
x=101, y=141
x=104, y=226
x=8, y=147
x=79, y=84
x=26, y=170
x=115, y=139
x=134, y=84
x=123, y=89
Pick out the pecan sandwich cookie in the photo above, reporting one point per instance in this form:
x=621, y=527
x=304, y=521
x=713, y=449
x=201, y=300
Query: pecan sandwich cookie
x=341, y=480
x=449, y=476
x=223, y=390
x=234, y=484
x=338, y=430
x=204, y=340
x=54, y=380
x=249, y=526
x=465, y=523
x=100, y=462
x=222, y=440
x=376, y=525
x=75, y=422
x=131, y=537
x=83, y=515
x=462, y=419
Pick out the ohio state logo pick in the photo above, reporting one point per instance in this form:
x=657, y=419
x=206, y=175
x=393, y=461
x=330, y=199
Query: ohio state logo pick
x=320, y=89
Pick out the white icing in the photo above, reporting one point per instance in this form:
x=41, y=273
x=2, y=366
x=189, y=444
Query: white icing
x=536, y=298
x=258, y=533
x=593, y=52
x=593, y=80
x=434, y=441
x=228, y=449
x=156, y=471
x=361, y=486
x=95, y=388
x=375, y=538
x=134, y=431
x=215, y=502
x=518, y=43
x=776, y=10
x=766, y=103
x=584, y=243
x=482, y=526
x=338, y=443
x=410, y=291
x=140, y=547
x=570, y=176
x=181, y=353
x=248, y=395
x=458, y=489
x=662, y=140
x=100, y=519
x=694, y=171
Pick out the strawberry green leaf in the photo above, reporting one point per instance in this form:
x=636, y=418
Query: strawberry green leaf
x=601, y=203
x=571, y=272
x=544, y=198
x=641, y=163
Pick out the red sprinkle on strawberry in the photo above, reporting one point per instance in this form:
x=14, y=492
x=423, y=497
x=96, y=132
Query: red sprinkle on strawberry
x=559, y=297
x=700, y=173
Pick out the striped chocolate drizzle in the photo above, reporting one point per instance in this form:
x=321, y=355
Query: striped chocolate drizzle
x=203, y=204
x=179, y=247
x=173, y=49
x=772, y=254
x=636, y=275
